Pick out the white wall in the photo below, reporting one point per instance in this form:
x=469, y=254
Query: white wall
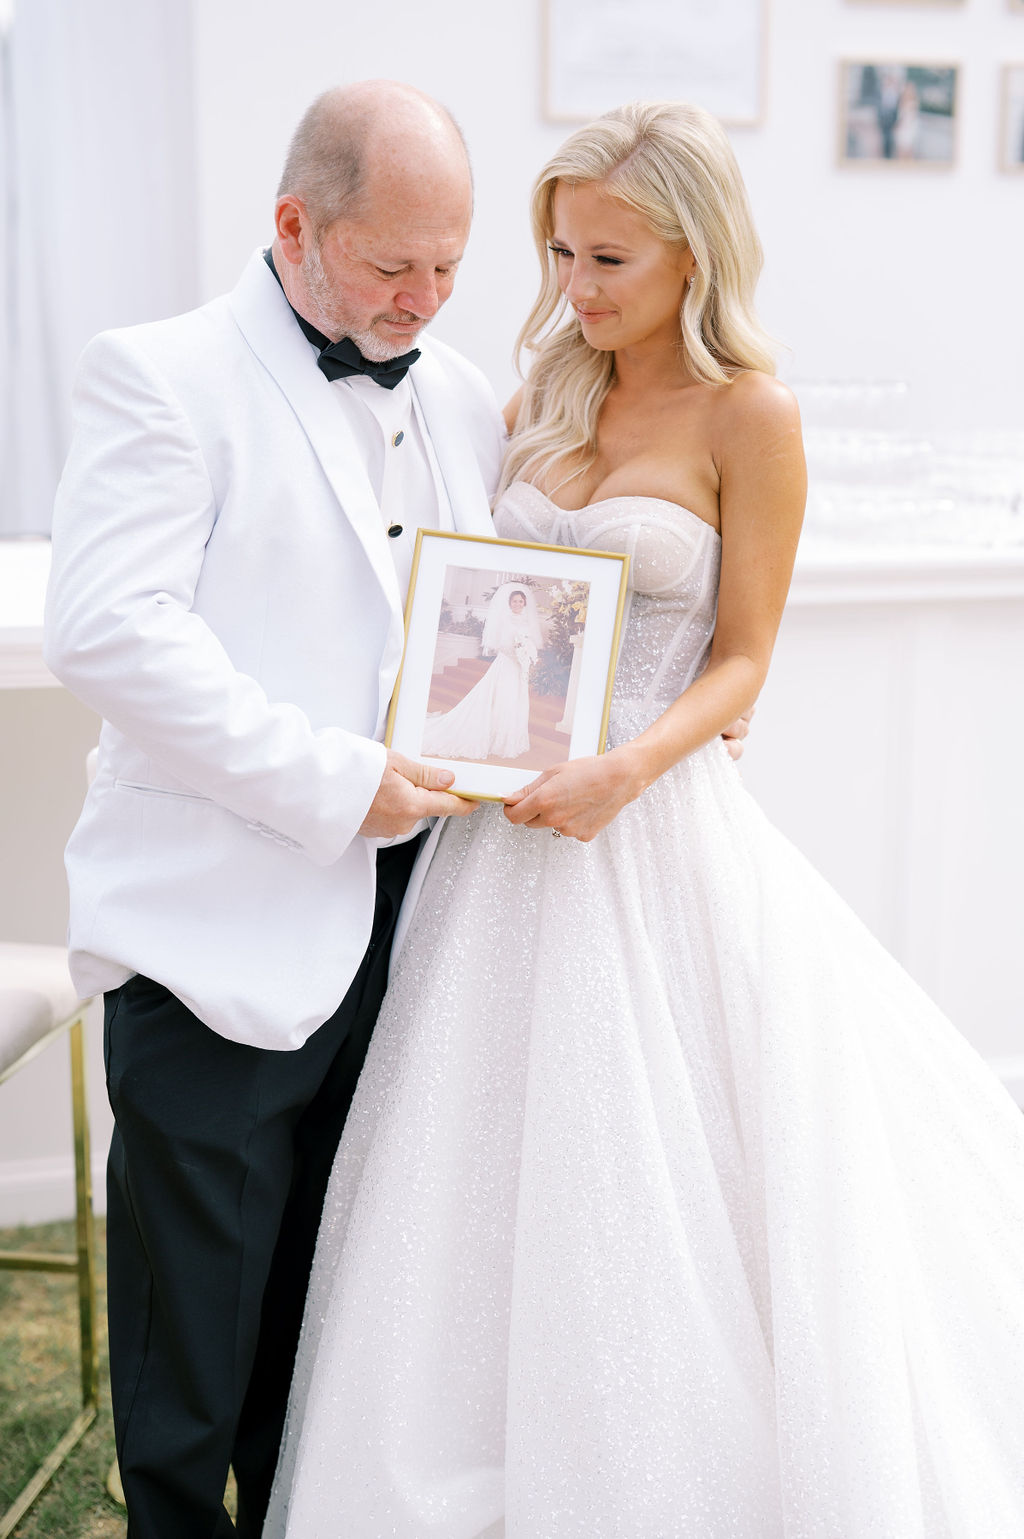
x=891, y=273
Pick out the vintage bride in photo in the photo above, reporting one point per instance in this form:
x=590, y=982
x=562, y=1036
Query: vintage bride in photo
x=493, y=719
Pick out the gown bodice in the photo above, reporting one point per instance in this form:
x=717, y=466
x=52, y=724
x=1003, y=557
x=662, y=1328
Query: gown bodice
x=673, y=582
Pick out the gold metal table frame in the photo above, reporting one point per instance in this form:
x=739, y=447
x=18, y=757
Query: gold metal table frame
x=82, y=1262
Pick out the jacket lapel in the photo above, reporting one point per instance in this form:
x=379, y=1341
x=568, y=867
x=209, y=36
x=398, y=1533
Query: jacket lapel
x=453, y=445
x=266, y=321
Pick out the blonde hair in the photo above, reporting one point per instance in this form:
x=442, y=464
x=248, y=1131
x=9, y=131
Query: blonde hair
x=673, y=164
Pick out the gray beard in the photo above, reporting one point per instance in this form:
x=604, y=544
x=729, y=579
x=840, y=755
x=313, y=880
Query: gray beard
x=330, y=318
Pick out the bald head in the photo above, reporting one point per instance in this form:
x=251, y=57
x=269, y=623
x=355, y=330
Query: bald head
x=354, y=132
x=373, y=214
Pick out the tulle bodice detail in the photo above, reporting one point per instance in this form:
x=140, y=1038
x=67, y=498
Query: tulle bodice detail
x=673, y=585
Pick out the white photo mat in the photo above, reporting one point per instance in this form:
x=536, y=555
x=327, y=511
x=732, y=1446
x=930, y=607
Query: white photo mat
x=599, y=54
x=485, y=564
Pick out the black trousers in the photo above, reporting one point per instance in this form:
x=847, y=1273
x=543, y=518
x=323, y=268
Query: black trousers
x=218, y=1167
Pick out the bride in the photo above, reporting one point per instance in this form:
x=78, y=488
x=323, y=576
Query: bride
x=668, y=1205
x=493, y=718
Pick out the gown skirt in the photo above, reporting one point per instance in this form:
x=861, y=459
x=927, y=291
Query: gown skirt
x=669, y=1207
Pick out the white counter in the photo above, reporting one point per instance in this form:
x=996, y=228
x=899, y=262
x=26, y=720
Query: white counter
x=888, y=746
x=24, y=569
x=826, y=573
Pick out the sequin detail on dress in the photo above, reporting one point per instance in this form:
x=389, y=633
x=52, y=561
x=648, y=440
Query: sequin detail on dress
x=668, y=1207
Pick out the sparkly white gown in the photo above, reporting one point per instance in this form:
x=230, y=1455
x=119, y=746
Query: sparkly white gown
x=669, y=1207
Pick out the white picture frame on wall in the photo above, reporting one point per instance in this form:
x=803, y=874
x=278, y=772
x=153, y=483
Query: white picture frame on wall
x=598, y=54
x=1011, y=119
x=899, y=113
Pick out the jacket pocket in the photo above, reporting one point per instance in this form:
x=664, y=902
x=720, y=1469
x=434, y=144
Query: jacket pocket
x=146, y=790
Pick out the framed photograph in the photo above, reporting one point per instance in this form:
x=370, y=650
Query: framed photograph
x=598, y=54
x=509, y=658
x=897, y=114
x=1011, y=122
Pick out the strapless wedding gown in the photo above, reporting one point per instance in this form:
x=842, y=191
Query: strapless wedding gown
x=668, y=1205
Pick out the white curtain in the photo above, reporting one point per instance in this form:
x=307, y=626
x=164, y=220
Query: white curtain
x=97, y=227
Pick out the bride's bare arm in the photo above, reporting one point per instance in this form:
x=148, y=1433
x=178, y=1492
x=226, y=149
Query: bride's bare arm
x=511, y=410
x=763, y=488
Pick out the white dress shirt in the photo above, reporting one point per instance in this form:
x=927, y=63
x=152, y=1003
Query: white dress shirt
x=400, y=460
x=404, y=474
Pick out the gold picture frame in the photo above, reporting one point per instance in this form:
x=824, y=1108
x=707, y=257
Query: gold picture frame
x=509, y=660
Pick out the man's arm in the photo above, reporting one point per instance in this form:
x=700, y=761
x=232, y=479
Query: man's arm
x=134, y=512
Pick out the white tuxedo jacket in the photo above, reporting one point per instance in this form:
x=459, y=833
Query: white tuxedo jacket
x=222, y=594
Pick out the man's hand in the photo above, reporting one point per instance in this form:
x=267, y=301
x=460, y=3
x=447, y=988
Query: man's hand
x=736, y=731
x=408, y=792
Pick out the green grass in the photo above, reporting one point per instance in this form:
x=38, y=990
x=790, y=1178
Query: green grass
x=40, y=1394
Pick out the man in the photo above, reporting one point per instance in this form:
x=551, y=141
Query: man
x=231, y=542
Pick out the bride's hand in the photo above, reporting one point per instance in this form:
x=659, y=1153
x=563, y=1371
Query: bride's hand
x=578, y=798
x=736, y=732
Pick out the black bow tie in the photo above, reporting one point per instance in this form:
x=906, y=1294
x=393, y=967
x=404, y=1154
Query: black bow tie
x=338, y=360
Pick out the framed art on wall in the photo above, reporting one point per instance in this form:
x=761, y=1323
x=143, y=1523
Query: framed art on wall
x=897, y=113
x=921, y=3
x=1011, y=119
x=509, y=658
x=601, y=53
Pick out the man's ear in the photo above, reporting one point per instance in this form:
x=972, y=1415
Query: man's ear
x=293, y=228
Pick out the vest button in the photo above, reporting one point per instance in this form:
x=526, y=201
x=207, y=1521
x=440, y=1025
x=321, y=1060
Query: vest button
x=397, y=439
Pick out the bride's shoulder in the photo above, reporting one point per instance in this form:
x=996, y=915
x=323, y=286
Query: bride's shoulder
x=755, y=414
x=753, y=397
